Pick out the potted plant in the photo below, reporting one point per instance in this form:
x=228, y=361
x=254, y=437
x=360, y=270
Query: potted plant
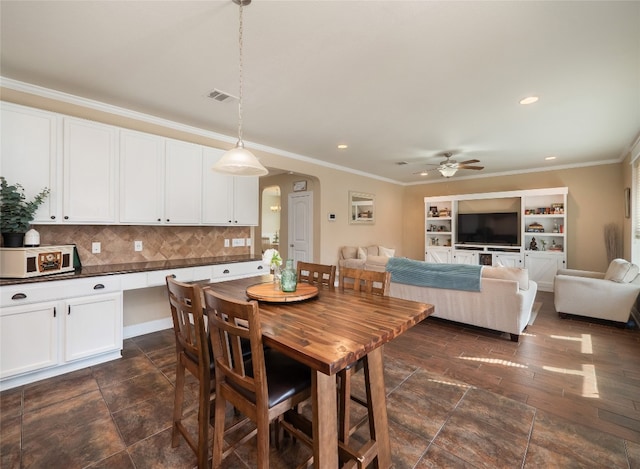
x=16, y=213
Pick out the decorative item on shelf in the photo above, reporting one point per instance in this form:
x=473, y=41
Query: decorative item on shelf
x=289, y=281
x=535, y=228
x=444, y=213
x=31, y=239
x=555, y=247
x=533, y=246
x=16, y=214
x=544, y=244
x=557, y=208
x=271, y=257
x=434, y=212
x=555, y=227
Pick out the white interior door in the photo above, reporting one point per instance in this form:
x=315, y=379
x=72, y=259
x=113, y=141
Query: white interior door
x=300, y=226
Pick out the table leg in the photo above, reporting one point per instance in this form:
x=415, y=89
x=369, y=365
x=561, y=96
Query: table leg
x=325, y=421
x=379, y=424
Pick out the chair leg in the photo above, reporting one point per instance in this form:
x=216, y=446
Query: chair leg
x=263, y=441
x=177, y=404
x=218, y=432
x=344, y=405
x=203, y=423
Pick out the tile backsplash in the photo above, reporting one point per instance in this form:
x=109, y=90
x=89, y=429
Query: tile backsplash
x=159, y=243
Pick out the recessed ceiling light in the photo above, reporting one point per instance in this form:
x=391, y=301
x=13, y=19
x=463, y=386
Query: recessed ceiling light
x=342, y=146
x=549, y=158
x=529, y=100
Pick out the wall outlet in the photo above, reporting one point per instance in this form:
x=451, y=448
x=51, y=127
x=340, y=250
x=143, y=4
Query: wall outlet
x=227, y=243
x=248, y=241
x=137, y=246
x=96, y=248
x=237, y=242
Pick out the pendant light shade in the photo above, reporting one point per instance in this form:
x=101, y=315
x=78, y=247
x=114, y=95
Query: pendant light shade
x=239, y=161
x=447, y=171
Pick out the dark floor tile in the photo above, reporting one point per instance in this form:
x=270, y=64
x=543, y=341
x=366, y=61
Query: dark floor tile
x=423, y=403
x=139, y=421
x=514, y=417
x=73, y=446
x=108, y=374
x=633, y=453
x=156, y=452
x=157, y=340
x=474, y=440
x=57, y=389
x=130, y=349
x=406, y=447
x=120, y=460
x=10, y=442
x=136, y=390
x=437, y=458
x=10, y=403
x=163, y=357
x=583, y=444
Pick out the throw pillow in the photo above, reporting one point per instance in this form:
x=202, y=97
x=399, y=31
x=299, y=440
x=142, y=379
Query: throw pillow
x=387, y=252
x=508, y=273
x=621, y=271
x=378, y=263
x=349, y=252
x=362, y=254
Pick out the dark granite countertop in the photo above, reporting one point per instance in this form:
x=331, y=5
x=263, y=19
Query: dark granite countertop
x=132, y=267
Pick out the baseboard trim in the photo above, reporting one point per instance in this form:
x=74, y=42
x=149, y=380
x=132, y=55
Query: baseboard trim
x=147, y=327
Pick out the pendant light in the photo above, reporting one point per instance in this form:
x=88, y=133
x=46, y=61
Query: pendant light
x=239, y=161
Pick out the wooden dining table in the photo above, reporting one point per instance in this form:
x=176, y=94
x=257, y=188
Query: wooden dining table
x=328, y=332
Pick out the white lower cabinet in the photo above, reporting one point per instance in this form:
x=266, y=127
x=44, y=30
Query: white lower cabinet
x=507, y=259
x=93, y=325
x=57, y=327
x=542, y=267
x=439, y=255
x=465, y=257
x=28, y=338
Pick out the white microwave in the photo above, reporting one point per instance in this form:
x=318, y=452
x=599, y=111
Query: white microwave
x=36, y=261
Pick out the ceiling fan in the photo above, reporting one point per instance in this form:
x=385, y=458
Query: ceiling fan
x=449, y=167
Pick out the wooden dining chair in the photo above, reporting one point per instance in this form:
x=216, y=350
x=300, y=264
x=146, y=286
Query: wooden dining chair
x=316, y=274
x=262, y=387
x=193, y=354
x=371, y=282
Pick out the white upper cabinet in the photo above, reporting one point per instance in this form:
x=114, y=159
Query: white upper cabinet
x=141, y=178
x=227, y=200
x=29, y=154
x=183, y=183
x=90, y=175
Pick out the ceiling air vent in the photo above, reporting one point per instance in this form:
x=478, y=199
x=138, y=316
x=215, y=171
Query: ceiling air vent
x=221, y=96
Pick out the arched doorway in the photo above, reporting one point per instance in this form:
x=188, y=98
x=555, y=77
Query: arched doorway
x=271, y=209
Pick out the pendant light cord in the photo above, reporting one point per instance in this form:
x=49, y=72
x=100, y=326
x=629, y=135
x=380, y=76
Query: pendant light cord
x=240, y=141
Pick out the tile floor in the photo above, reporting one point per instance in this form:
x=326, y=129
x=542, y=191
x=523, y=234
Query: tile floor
x=117, y=415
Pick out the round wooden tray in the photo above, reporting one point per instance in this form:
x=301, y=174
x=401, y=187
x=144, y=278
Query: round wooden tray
x=266, y=292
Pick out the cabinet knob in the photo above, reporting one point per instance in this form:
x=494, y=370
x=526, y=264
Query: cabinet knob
x=66, y=217
x=19, y=296
x=168, y=220
x=53, y=217
x=159, y=219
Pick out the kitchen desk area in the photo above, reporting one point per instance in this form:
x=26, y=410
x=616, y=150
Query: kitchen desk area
x=59, y=323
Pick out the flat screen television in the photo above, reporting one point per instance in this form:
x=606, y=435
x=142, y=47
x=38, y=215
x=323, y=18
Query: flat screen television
x=488, y=228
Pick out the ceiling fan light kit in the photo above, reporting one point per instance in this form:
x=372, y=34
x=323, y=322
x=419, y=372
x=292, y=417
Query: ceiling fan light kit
x=239, y=161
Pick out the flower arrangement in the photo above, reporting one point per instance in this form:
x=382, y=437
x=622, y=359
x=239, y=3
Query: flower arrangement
x=271, y=257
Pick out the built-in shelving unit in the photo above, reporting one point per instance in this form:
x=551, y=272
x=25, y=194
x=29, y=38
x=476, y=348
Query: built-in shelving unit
x=542, y=241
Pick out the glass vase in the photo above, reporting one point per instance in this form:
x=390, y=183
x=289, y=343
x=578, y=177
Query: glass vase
x=289, y=280
x=277, y=274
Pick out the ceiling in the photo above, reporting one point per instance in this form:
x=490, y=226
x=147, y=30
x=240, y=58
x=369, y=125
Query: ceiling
x=397, y=81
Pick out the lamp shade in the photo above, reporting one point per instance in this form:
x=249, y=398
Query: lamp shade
x=240, y=162
x=447, y=171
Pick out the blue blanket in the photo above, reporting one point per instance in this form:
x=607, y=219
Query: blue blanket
x=425, y=274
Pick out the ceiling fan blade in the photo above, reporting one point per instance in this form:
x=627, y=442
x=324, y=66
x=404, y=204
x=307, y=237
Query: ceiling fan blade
x=470, y=161
x=462, y=166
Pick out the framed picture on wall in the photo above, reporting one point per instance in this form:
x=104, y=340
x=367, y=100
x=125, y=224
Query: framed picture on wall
x=299, y=186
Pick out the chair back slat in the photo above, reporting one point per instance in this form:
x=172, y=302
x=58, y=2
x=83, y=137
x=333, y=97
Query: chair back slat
x=189, y=324
x=230, y=321
x=368, y=281
x=316, y=274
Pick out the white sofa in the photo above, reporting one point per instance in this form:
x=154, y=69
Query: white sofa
x=609, y=295
x=504, y=302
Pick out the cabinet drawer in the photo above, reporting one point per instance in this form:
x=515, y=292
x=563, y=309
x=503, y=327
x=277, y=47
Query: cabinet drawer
x=240, y=269
x=158, y=277
x=15, y=295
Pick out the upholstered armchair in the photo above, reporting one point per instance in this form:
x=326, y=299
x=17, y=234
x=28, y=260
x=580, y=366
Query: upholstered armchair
x=610, y=295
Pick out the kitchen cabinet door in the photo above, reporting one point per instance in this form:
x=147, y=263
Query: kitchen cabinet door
x=183, y=183
x=89, y=194
x=141, y=178
x=29, y=154
x=228, y=200
x=93, y=325
x=28, y=338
